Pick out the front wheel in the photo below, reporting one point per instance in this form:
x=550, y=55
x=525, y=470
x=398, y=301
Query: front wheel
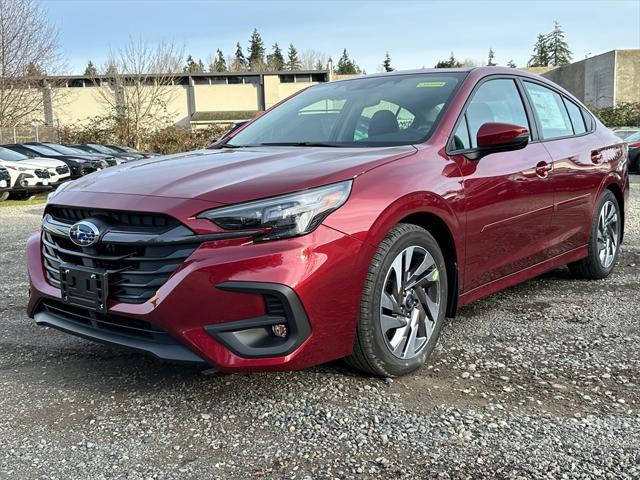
x=403, y=304
x=604, y=244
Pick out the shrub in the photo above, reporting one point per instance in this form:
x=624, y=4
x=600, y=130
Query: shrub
x=168, y=139
x=622, y=115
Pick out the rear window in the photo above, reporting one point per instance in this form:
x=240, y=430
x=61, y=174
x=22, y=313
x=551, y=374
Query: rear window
x=576, y=117
x=550, y=109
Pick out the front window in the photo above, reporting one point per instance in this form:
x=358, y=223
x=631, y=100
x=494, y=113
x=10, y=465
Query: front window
x=64, y=150
x=10, y=155
x=378, y=111
x=42, y=150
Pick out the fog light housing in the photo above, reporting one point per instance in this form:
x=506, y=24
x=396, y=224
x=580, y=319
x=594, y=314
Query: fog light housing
x=280, y=330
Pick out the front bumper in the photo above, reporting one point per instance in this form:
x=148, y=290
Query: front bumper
x=218, y=306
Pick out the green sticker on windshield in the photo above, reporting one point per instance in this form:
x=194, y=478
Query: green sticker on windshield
x=431, y=84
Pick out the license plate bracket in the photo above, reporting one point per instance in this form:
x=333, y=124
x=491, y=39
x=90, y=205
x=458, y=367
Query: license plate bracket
x=84, y=287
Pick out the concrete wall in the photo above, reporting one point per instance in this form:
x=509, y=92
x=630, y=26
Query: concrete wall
x=226, y=97
x=627, y=87
x=603, y=80
x=275, y=91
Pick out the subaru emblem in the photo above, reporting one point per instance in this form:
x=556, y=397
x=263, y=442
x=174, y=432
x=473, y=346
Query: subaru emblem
x=84, y=234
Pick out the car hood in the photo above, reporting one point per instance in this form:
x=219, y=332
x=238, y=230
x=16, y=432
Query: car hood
x=236, y=175
x=38, y=162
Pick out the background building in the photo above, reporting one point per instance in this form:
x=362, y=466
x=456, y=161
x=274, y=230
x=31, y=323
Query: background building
x=605, y=80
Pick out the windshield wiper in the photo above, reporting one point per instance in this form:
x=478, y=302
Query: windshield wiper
x=297, y=144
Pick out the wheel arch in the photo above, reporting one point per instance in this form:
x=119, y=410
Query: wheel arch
x=437, y=227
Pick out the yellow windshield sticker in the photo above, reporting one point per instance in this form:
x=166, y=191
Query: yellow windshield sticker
x=431, y=84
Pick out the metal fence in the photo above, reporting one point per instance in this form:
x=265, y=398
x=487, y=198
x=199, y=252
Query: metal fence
x=28, y=133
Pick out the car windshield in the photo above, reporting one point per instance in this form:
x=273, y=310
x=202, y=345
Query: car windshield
x=42, y=150
x=378, y=111
x=123, y=148
x=10, y=155
x=633, y=138
x=63, y=149
x=102, y=148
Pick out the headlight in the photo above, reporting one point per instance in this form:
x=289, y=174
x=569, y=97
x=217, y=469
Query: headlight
x=285, y=216
x=19, y=169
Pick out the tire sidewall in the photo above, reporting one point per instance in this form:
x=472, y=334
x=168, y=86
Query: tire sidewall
x=394, y=365
x=603, y=272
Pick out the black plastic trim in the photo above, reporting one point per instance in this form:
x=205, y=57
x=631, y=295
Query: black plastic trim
x=294, y=316
x=174, y=353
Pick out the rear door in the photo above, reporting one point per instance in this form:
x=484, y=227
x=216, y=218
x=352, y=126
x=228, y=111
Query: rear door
x=565, y=131
x=509, y=195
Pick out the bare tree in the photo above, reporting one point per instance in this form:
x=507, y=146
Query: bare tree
x=309, y=59
x=28, y=50
x=137, y=86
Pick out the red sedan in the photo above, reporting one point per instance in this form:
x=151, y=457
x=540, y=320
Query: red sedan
x=347, y=221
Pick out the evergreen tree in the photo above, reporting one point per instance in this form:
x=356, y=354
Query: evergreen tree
x=219, y=64
x=511, y=64
x=451, y=62
x=386, y=64
x=256, y=51
x=490, y=62
x=275, y=60
x=540, y=57
x=318, y=65
x=111, y=69
x=90, y=70
x=293, y=62
x=557, y=47
x=192, y=66
x=33, y=70
x=239, y=62
x=346, y=66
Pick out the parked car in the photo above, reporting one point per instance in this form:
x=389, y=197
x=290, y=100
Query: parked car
x=78, y=164
x=94, y=148
x=301, y=239
x=131, y=151
x=64, y=150
x=5, y=183
x=625, y=132
x=633, y=141
x=58, y=170
x=24, y=179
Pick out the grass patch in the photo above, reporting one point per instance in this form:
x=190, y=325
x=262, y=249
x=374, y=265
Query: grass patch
x=40, y=199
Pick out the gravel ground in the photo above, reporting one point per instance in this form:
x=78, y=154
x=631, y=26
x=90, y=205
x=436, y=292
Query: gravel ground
x=539, y=381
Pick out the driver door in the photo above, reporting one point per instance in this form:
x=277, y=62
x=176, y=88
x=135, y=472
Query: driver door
x=508, y=195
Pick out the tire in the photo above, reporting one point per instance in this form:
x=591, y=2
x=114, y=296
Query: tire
x=596, y=266
x=385, y=351
x=23, y=196
x=4, y=196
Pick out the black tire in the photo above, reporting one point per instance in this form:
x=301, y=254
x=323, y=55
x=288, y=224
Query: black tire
x=23, y=196
x=4, y=196
x=371, y=353
x=591, y=267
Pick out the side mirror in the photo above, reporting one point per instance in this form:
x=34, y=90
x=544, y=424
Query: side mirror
x=500, y=137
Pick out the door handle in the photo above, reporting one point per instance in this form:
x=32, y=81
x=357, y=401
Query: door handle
x=543, y=168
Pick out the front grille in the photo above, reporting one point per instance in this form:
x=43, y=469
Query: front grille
x=62, y=169
x=42, y=173
x=118, y=218
x=135, y=271
x=110, y=323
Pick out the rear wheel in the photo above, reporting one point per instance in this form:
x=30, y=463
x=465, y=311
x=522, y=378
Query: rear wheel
x=604, y=243
x=403, y=304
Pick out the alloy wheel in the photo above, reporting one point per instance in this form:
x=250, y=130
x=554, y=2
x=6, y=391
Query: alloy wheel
x=410, y=302
x=608, y=234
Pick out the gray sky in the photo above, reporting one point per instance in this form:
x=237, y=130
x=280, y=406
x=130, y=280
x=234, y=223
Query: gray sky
x=415, y=33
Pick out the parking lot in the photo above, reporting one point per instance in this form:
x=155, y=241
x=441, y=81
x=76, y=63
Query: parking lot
x=541, y=380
